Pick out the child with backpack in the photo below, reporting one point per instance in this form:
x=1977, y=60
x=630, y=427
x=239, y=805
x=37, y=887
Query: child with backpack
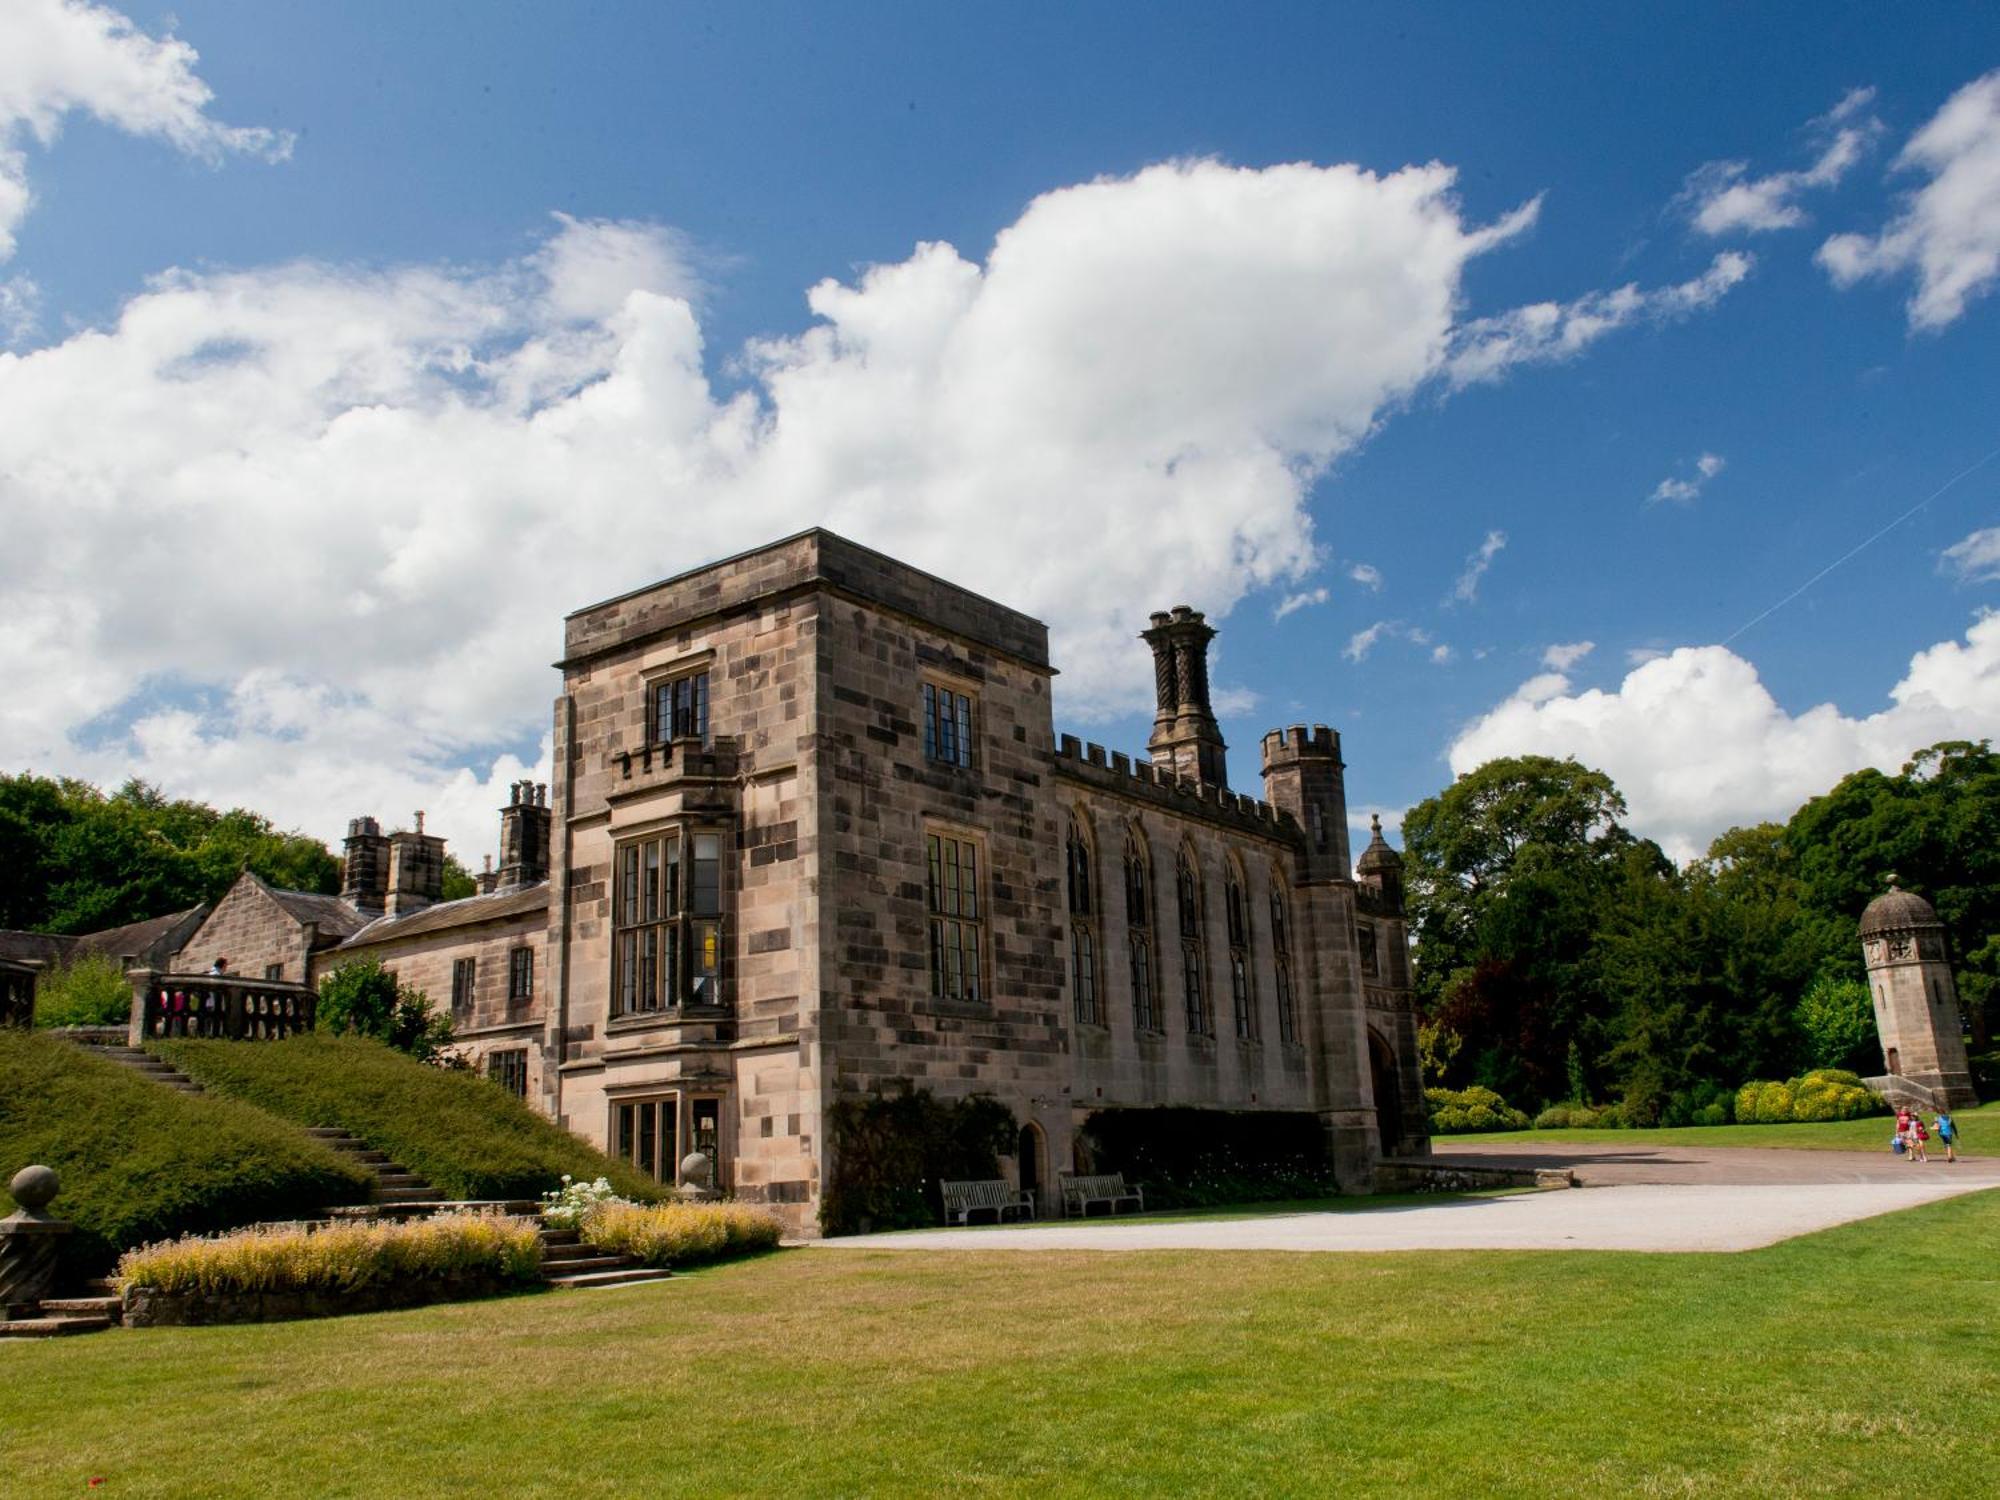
x=1947, y=1132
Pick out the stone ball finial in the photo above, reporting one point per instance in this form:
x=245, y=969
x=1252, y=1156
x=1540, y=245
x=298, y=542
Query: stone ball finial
x=697, y=1170
x=35, y=1188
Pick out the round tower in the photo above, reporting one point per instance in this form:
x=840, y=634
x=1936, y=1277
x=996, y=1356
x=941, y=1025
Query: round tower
x=1916, y=1003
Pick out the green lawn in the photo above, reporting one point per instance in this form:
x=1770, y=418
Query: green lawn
x=1979, y=1129
x=1864, y=1361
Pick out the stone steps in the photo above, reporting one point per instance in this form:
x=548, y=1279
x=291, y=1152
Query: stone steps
x=572, y=1262
x=587, y=1280
x=396, y=1186
x=52, y=1327
x=82, y=1307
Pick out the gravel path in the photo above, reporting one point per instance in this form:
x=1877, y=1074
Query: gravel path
x=1689, y=1211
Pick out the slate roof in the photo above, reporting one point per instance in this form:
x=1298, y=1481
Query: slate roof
x=150, y=941
x=35, y=947
x=522, y=901
x=336, y=918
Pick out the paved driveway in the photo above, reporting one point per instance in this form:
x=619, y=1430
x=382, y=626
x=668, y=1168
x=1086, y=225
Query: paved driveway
x=1643, y=1198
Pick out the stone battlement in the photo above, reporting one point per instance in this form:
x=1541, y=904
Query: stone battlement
x=1117, y=772
x=1298, y=742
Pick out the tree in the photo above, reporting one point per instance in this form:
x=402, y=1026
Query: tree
x=1508, y=872
x=1837, y=1021
x=73, y=859
x=364, y=998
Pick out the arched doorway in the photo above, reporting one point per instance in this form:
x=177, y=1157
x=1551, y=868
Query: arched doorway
x=1028, y=1159
x=1388, y=1094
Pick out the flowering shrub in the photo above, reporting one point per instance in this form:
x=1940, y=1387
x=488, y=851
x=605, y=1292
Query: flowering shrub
x=1459, y=1111
x=337, y=1257
x=678, y=1234
x=1823, y=1094
x=565, y=1207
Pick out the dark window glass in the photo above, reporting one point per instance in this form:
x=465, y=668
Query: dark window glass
x=947, y=726
x=464, y=972
x=952, y=896
x=1145, y=1015
x=680, y=709
x=510, y=1071
x=520, y=974
x=667, y=920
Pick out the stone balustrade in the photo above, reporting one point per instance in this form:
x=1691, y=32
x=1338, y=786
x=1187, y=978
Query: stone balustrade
x=222, y=1006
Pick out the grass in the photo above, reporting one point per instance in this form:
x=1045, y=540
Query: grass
x=1978, y=1128
x=140, y=1162
x=464, y=1134
x=1860, y=1361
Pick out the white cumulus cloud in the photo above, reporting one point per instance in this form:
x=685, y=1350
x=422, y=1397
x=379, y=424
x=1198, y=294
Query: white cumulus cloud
x=1722, y=199
x=1560, y=658
x=1683, y=490
x=61, y=57
x=1367, y=575
x=1697, y=743
x=1948, y=232
x=1976, y=559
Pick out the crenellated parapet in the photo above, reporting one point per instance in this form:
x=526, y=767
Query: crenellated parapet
x=1303, y=776
x=1160, y=787
x=1299, y=742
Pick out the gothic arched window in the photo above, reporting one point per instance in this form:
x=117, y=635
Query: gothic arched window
x=1082, y=929
x=1242, y=989
x=1194, y=959
x=1139, y=934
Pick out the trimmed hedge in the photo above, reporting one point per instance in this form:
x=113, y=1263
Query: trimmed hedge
x=140, y=1162
x=1823, y=1094
x=1463, y=1111
x=464, y=1134
x=891, y=1148
x=1197, y=1158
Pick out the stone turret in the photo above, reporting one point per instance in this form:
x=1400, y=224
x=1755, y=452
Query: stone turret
x=1916, y=1003
x=1186, y=739
x=1379, y=871
x=1303, y=775
x=365, y=876
x=524, y=835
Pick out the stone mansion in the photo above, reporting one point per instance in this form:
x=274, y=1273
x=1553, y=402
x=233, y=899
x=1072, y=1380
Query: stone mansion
x=811, y=832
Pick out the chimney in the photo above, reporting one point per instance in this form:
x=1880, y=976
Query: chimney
x=365, y=881
x=416, y=870
x=1186, y=740
x=524, y=835
x=486, y=880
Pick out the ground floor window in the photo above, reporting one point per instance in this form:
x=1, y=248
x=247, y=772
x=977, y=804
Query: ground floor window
x=509, y=1070
x=644, y=1132
x=463, y=971
x=647, y=1133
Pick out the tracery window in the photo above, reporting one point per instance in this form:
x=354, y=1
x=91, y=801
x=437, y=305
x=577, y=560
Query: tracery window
x=1281, y=960
x=1146, y=1014
x=1082, y=929
x=1194, y=959
x=1242, y=991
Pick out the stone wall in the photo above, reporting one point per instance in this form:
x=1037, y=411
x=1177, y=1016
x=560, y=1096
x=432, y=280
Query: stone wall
x=251, y=930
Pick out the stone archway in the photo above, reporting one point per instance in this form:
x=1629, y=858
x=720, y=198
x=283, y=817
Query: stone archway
x=1387, y=1080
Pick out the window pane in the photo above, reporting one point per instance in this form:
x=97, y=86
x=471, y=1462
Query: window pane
x=951, y=877
x=628, y=886
x=628, y=973
x=705, y=898
x=648, y=1158
x=670, y=894
x=964, y=715
x=934, y=888
x=650, y=881
x=648, y=985
x=968, y=881
x=706, y=986
x=626, y=1131
x=930, y=722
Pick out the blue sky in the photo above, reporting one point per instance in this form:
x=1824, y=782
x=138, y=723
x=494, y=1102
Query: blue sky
x=350, y=243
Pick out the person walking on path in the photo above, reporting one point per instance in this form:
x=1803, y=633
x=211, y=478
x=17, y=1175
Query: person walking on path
x=1919, y=1133
x=1905, y=1137
x=1947, y=1132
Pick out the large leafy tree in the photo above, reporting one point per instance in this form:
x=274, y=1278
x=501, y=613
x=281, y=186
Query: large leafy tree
x=74, y=859
x=1510, y=872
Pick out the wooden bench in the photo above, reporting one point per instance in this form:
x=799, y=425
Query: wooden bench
x=1080, y=1191
x=999, y=1198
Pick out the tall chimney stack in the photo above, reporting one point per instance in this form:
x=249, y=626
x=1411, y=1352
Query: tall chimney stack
x=524, y=835
x=1186, y=739
x=364, y=881
x=416, y=870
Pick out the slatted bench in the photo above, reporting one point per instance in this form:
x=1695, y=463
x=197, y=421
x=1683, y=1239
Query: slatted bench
x=1080, y=1191
x=999, y=1198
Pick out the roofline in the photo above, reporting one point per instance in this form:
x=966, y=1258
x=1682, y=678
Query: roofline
x=786, y=541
